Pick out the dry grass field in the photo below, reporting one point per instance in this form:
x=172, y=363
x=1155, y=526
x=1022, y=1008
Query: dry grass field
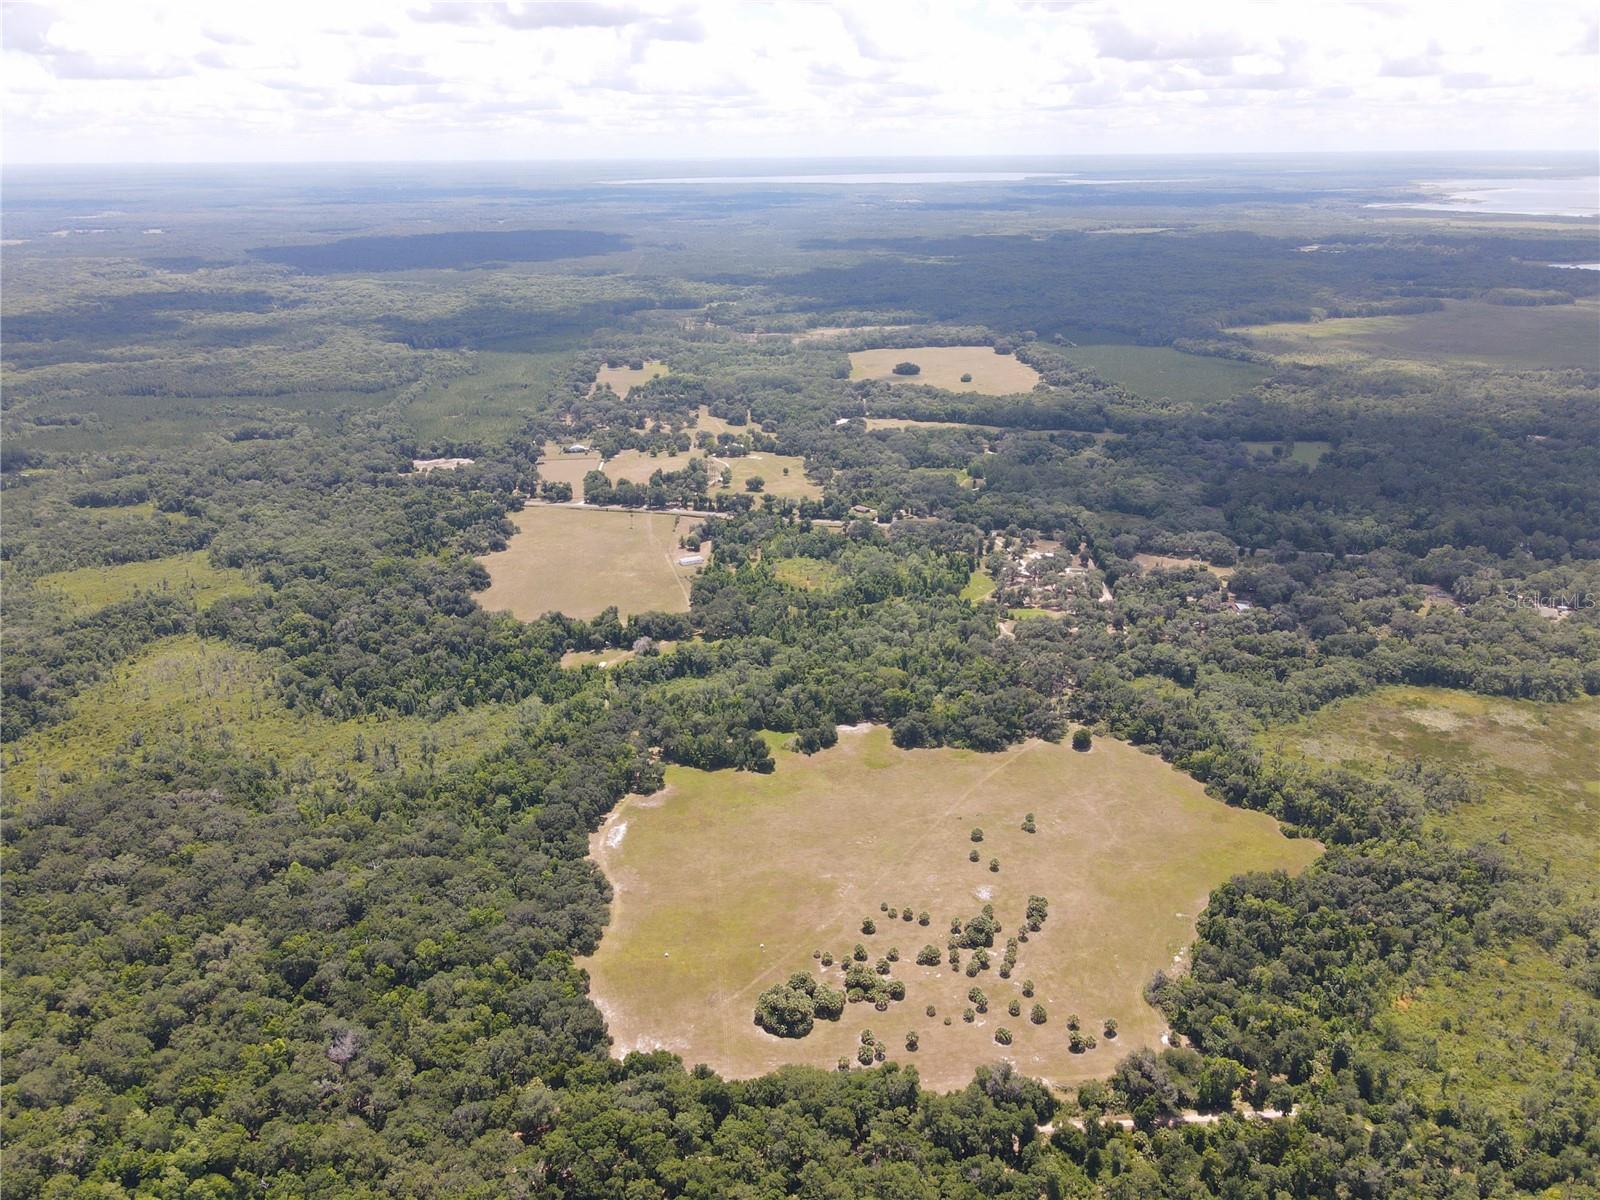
x=560, y=467
x=579, y=561
x=727, y=882
x=943, y=366
x=637, y=466
x=623, y=380
x=1166, y=562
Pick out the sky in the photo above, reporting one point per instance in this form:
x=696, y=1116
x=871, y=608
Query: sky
x=392, y=80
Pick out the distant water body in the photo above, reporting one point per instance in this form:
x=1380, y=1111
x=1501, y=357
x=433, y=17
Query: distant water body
x=861, y=177
x=1530, y=196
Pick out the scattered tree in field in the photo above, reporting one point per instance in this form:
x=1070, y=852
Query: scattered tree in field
x=1082, y=739
x=911, y=1041
x=828, y=1003
x=955, y=957
x=864, y=1056
x=906, y=914
x=923, y=918
x=994, y=865
x=844, y=1063
x=827, y=959
x=1037, y=1014
x=1027, y=988
x=816, y=954
x=968, y=1016
x=1015, y=1008
x=928, y=956
x=966, y=377
x=882, y=966
x=906, y=368
x=869, y=926
x=754, y=483
x=860, y=953
x=947, y=1021
x=1028, y=826
x=974, y=856
x=883, y=906
x=787, y=1009
x=1110, y=1029
x=1076, y=1044
x=978, y=998
x=930, y=1011
x=866, y=1038
x=893, y=913
x=1073, y=1022
x=1003, y=1036
x=977, y=835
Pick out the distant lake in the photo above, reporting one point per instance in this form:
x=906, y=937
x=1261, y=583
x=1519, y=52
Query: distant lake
x=1529, y=196
x=1575, y=266
x=859, y=177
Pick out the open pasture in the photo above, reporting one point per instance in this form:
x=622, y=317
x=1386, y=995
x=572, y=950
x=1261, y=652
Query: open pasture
x=88, y=589
x=580, y=561
x=625, y=378
x=557, y=466
x=1467, y=331
x=725, y=883
x=943, y=366
x=637, y=466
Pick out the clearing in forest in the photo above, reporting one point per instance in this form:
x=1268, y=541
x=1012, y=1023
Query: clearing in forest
x=1162, y=373
x=1499, y=1025
x=726, y=883
x=191, y=576
x=580, y=561
x=623, y=379
x=1150, y=563
x=943, y=366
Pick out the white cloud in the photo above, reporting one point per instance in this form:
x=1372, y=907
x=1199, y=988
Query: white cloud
x=149, y=79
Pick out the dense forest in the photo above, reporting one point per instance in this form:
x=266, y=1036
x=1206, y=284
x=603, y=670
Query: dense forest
x=238, y=971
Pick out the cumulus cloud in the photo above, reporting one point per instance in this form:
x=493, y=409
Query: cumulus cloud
x=1414, y=67
x=394, y=70
x=27, y=27
x=441, y=78
x=87, y=66
x=563, y=14
x=1116, y=40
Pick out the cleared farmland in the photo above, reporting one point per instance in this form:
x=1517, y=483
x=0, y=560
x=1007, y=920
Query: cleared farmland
x=726, y=883
x=579, y=561
x=943, y=366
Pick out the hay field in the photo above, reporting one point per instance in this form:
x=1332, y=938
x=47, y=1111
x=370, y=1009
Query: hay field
x=579, y=561
x=623, y=380
x=726, y=882
x=88, y=589
x=942, y=366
